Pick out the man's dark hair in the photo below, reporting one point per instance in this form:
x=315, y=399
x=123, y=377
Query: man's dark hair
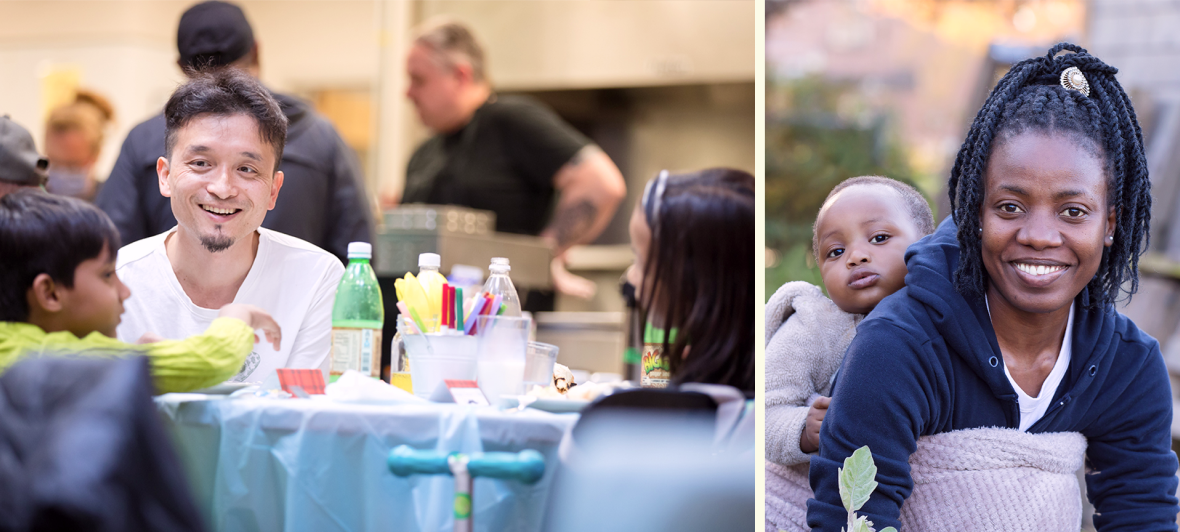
x=915, y=204
x=1030, y=98
x=225, y=92
x=44, y=233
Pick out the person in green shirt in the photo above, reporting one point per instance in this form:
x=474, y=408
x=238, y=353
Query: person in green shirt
x=59, y=295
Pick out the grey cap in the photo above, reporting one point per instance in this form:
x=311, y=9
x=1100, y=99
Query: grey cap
x=19, y=161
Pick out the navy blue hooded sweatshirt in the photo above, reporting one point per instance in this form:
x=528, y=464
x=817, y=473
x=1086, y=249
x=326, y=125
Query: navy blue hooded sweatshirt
x=926, y=361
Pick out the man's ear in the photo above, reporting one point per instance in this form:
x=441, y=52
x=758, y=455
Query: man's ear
x=163, y=170
x=44, y=294
x=464, y=73
x=275, y=185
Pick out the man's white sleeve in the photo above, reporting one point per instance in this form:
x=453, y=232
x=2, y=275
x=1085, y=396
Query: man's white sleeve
x=313, y=344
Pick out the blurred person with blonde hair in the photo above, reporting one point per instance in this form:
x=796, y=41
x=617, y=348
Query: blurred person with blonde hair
x=324, y=200
x=507, y=154
x=73, y=141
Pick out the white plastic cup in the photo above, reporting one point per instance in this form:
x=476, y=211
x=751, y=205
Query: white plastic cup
x=538, y=365
x=500, y=357
x=435, y=358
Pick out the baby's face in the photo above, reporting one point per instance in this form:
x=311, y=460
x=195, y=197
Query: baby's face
x=863, y=232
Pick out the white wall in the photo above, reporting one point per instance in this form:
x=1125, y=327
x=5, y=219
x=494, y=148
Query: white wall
x=125, y=49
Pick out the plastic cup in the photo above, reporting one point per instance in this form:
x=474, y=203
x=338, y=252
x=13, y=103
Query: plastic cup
x=538, y=365
x=500, y=357
x=435, y=358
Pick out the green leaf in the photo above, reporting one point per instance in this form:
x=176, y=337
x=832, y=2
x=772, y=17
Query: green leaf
x=857, y=479
x=889, y=529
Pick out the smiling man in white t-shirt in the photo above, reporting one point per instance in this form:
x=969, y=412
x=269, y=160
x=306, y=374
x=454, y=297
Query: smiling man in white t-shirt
x=225, y=136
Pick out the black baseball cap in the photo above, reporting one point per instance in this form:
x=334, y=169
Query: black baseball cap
x=19, y=161
x=213, y=34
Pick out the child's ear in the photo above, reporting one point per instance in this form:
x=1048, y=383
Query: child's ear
x=45, y=294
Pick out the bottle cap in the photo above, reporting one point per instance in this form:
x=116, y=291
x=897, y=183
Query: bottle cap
x=430, y=260
x=499, y=264
x=360, y=250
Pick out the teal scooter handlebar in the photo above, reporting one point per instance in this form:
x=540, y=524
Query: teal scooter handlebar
x=527, y=466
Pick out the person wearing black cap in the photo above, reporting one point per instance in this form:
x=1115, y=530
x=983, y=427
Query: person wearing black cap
x=323, y=200
x=20, y=164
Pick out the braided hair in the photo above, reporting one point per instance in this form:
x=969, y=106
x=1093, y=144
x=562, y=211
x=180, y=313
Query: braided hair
x=1030, y=98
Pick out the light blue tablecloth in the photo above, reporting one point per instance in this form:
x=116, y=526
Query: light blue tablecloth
x=318, y=465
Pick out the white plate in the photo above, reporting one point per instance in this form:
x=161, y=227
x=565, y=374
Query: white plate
x=225, y=388
x=556, y=406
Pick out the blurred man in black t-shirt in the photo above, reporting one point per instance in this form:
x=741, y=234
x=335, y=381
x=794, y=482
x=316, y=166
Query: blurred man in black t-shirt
x=507, y=154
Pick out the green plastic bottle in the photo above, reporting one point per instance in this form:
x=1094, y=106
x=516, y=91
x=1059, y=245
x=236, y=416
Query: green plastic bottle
x=357, y=316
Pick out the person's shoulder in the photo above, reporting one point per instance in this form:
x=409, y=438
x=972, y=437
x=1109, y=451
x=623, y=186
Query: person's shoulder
x=804, y=327
x=136, y=252
x=150, y=130
x=151, y=125
x=800, y=300
x=793, y=296
x=515, y=101
x=1131, y=339
x=515, y=108
x=898, y=319
x=286, y=246
x=146, y=138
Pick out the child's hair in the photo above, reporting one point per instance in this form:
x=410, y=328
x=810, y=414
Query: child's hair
x=699, y=274
x=915, y=204
x=1030, y=97
x=44, y=233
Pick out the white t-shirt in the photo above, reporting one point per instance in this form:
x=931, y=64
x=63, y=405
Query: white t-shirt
x=291, y=279
x=1032, y=409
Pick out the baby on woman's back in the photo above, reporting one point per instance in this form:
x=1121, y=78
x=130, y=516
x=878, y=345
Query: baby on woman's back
x=859, y=240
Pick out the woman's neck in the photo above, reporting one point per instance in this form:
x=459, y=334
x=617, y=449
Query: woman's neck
x=1030, y=342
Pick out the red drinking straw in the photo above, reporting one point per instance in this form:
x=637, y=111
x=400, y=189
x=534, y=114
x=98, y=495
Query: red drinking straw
x=448, y=305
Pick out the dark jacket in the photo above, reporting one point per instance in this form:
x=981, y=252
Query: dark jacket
x=323, y=200
x=926, y=361
x=82, y=448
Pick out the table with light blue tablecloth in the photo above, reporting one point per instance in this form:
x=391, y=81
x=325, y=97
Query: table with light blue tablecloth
x=319, y=465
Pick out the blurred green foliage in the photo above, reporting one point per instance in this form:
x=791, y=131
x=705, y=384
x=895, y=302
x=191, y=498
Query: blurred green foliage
x=817, y=135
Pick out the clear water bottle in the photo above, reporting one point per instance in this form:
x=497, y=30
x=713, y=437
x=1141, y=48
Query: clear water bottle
x=499, y=284
x=358, y=315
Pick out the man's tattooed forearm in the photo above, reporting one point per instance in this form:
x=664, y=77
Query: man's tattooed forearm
x=571, y=223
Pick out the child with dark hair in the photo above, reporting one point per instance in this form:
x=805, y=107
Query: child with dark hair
x=59, y=294
x=693, y=238
x=1003, y=366
x=859, y=240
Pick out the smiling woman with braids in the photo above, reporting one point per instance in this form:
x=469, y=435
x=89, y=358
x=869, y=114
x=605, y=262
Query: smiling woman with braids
x=982, y=385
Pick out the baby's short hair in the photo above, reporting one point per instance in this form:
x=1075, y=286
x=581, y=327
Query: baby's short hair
x=44, y=233
x=915, y=204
